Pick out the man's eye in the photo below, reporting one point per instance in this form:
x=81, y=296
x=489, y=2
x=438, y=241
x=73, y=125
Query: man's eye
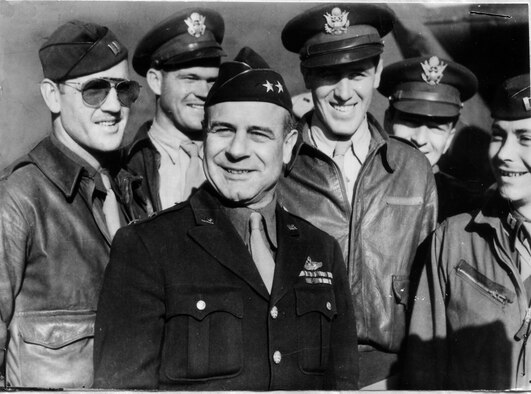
x=496, y=137
x=259, y=135
x=220, y=130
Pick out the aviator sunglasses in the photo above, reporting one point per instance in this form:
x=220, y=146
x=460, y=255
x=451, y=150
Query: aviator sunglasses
x=95, y=91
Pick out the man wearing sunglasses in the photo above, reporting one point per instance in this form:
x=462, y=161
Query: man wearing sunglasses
x=179, y=58
x=60, y=206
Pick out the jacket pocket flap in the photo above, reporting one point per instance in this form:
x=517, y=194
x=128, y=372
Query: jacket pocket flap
x=401, y=288
x=201, y=302
x=56, y=330
x=316, y=299
x=404, y=200
x=495, y=290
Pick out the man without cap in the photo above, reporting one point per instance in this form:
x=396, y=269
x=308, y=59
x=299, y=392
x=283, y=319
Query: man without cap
x=60, y=206
x=374, y=194
x=426, y=95
x=471, y=317
x=179, y=58
x=228, y=291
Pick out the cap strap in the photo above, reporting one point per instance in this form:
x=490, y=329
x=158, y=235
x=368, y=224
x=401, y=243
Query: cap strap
x=341, y=45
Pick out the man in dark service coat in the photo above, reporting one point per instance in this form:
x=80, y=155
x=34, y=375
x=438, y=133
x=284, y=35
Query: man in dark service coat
x=228, y=291
x=60, y=206
x=179, y=57
x=374, y=194
x=426, y=95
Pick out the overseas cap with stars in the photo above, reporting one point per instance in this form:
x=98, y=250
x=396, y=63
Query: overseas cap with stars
x=333, y=34
x=79, y=48
x=249, y=78
x=512, y=100
x=188, y=35
x=428, y=86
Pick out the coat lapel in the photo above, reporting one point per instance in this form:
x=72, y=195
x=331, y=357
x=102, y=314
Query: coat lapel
x=291, y=255
x=217, y=236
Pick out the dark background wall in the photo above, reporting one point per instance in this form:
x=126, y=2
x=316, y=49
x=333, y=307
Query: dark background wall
x=25, y=25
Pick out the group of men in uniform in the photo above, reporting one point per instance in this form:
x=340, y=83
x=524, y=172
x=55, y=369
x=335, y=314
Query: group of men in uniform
x=270, y=255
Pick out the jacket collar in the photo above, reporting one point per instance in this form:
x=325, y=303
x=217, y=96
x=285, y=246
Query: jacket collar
x=379, y=141
x=141, y=140
x=56, y=166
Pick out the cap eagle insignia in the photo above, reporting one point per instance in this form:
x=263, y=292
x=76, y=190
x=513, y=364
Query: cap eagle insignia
x=196, y=24
x=433, y=70
x=336, y=21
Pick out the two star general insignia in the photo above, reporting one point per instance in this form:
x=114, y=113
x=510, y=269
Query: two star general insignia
x=269, y=86
x=312, y=275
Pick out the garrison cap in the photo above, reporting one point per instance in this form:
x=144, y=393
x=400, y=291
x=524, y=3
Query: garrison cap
x=512, y=100
x=428, y=86
x=249, y=78
x=80, y=48
x=190, y=34
x=333, y=34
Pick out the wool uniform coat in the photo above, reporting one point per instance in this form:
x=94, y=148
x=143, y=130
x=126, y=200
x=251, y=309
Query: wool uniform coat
x=184, y=307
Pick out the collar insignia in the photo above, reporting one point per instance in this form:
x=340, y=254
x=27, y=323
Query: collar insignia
x=527, y=103
x=433, y=70
x=196, y=24
x=312, y=265
x=208, y=220
x=292, y=227
x=336, y=21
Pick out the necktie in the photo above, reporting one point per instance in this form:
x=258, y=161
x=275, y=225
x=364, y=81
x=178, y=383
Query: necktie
x=194, y=173
x=339, y=154
x=261, y=254
x=110, y=206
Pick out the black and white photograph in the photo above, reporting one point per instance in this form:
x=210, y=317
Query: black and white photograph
x=265, y=195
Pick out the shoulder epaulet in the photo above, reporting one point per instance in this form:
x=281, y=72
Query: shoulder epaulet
x=22, y=162
x=407, y=142
x=156, y=214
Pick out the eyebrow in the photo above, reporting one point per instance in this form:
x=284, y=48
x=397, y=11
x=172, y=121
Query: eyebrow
x=252, y=127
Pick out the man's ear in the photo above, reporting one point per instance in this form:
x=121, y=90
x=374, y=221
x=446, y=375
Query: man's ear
x=51, y=95
x=306, y=76
x=154, y=80
x=289, y=143
x=449, y=140
x=378, y=73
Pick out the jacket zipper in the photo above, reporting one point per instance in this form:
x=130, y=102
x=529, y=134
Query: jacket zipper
x=494, y=294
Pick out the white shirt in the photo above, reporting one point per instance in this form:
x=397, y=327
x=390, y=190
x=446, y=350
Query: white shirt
x=174, y=162
x=354, y=158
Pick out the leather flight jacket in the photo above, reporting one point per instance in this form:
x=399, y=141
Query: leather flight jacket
x=53, y=255
x=394, y=208
x=143, y=159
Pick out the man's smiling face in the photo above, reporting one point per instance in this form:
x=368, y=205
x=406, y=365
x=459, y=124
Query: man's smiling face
x=342, y=94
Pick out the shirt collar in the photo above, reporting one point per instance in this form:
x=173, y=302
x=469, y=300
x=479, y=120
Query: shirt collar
x=361, y=139
x=170, y=139
x=239, y=217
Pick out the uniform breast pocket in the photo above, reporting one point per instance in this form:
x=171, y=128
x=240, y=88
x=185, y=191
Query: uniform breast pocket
x=51, y=349
x=316, y=308
x=203, y=335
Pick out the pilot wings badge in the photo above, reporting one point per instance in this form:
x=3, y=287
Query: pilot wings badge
x=196, y=24
x=336, y=21
x=312, y=265
x=433, y=70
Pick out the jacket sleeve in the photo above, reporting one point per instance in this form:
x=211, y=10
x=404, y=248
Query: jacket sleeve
x=14, y=237
x=426, y=357
x=130, y=317
x=343, y=371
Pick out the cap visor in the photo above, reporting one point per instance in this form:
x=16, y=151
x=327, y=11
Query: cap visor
x=427, y=108
x=343, y=57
